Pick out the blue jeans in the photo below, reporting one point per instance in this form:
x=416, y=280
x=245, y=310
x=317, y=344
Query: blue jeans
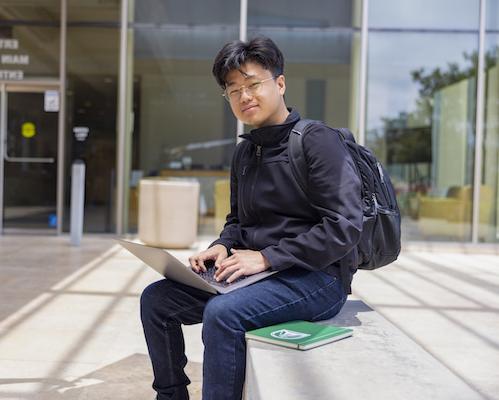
x=165, y=305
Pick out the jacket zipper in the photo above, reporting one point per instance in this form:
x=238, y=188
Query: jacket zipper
x=252, y=193
x=243, y=197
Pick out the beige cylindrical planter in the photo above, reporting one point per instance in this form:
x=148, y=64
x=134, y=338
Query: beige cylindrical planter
x=168, y=212
x=222, y=203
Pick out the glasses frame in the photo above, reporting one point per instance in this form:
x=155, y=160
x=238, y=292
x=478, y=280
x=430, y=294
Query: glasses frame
x=250, y=90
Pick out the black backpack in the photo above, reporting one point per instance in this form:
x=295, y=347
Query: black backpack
x=379, y=243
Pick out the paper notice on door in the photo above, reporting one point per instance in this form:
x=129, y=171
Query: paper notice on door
x=51, y=101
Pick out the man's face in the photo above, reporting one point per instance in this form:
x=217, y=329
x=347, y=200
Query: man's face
x=253, y=103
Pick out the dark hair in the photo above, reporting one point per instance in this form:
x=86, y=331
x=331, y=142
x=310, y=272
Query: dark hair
x=261, y=50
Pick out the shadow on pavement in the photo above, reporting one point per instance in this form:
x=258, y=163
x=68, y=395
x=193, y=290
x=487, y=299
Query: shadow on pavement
x=129, y=378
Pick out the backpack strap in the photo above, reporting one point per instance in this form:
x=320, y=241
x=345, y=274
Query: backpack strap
x=296, y=157
x=299, y=169
x=346, y=134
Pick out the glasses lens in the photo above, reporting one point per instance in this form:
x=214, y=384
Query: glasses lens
x=231, y=95
x=253, y=88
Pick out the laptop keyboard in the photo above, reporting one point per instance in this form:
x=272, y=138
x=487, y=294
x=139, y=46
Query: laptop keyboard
x=209, y=276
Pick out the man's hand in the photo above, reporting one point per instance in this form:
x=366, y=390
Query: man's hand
x=216, y=253
x=241, y=263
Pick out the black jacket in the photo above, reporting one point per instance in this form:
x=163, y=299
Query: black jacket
x=270, y=213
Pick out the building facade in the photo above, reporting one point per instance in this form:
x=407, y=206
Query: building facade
x=126, y=87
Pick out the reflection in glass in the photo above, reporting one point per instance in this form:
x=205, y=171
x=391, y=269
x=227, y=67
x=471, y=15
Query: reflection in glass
x=29, y=185
x=30, y=10
x=489, y=206
x=320, y=41
x=424, y=14
x=41, y=44
x=492, y=15
x=85, y=11
x=29, y=51
x=183, y=128
x=92, y=86
x=420, y=122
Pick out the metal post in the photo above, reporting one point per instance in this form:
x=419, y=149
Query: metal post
x=243, y=21
x=77, y=201
x=122, y=125
x=243, y=34
x=363, y=72
x=3, y=138
x=480, y=94
x=62, y=117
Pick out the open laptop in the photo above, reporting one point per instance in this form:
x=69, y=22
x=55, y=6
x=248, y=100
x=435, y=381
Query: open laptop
x=172, y=268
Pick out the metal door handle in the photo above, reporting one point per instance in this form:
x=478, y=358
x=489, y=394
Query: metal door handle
x=49, y=160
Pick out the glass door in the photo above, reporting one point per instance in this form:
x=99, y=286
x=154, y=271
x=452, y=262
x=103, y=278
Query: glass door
x=29, y=128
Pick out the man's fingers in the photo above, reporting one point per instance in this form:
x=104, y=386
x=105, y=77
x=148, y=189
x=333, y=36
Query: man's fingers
x=197, y=265
x=194, y=267
x=219, y=260
x=225, y=265
x=197, y=261
x=235, y=276
x=201, y=265
x=222, y=274
x=228, y=262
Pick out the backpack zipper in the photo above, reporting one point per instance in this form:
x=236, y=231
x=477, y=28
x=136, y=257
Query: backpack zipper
x=383, y=184
x=380, y=170
x=376, y=204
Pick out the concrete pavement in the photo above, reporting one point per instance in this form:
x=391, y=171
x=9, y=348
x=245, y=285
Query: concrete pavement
x=70, y=327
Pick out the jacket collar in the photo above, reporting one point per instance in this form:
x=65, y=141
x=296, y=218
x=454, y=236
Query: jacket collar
x=273, y=134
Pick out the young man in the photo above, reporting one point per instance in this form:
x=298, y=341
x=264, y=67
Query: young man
x=272, y=225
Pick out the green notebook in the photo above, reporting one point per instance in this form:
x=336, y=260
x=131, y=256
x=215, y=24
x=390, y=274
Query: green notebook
x=301, y=335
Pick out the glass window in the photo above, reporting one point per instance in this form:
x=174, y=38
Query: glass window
x=492, y=12
x=424, y=14
x=91, y=103
x=489, y=201
x=320, y=41
x=420, y=120
x=29, y=39
x=29, y=52
x=183, y=128
x=85, y=11
x=214, y=13
x=30, y=10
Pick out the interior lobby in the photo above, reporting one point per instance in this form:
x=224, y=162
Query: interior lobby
x=136, y=77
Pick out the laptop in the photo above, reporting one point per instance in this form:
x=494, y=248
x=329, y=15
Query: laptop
x=172, y=268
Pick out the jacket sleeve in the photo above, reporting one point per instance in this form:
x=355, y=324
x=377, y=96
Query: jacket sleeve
x=334, y=192
x=229, y=237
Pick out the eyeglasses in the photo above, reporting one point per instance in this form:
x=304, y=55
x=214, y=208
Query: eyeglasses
x=251, y=89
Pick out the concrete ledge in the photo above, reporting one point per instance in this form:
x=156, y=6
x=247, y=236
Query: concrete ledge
x=378, y=362
x=451, y=247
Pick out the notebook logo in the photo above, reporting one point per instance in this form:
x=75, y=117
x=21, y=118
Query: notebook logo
x=287, y=334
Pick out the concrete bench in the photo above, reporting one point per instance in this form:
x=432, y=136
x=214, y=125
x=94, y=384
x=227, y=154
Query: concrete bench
x=378, y=362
